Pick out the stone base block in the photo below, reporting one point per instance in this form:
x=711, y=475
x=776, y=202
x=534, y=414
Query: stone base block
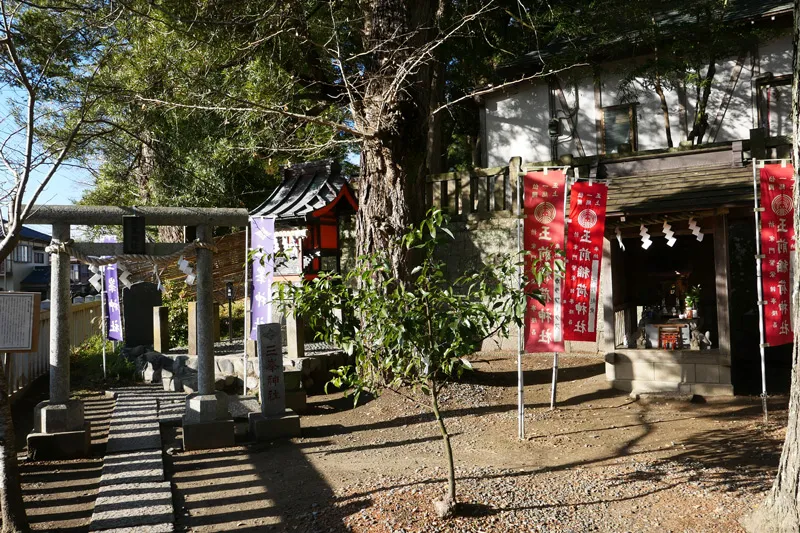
x=273, y=427
x=296, y=400
x=58, y=446
x=206, y=407
x=208, y=435
x=58, y=417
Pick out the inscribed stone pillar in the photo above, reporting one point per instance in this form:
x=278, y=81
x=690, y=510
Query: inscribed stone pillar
x=270, y=360
x=59, y=319
x=274, y=421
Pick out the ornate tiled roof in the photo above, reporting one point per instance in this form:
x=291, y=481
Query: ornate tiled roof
x=305, y=188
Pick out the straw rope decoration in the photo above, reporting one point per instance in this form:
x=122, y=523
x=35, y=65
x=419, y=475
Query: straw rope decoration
x=64, y=247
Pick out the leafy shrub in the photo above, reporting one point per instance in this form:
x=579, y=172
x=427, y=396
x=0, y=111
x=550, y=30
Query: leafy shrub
x=86, y=365
x=176, y=298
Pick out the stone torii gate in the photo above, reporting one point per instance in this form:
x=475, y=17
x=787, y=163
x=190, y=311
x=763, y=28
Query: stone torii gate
x=60, y=430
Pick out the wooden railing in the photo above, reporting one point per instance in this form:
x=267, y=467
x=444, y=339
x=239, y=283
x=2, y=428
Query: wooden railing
x=477, y=191
x=21, y=369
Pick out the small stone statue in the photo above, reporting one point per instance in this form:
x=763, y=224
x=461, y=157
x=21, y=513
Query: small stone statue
x=699, y=341
x=641, y=338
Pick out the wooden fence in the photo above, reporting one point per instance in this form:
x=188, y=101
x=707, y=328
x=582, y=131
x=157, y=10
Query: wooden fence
x=478, y=191
x=23, y=368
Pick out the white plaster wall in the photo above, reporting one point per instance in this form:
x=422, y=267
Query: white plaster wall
x=578, y=94
x=776, y=56
x=516, y=123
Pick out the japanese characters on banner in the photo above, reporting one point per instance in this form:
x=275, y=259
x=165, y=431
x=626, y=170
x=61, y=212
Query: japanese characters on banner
x=543, y=238
x=112, y=302
x=262, y=236
x=777, y=239
x=587, y=221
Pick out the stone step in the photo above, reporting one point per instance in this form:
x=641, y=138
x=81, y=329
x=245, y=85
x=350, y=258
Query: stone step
x=133, y=507
x=132, y=467
x=134, y=425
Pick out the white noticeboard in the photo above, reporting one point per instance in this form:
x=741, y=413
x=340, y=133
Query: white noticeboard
x=19, y=321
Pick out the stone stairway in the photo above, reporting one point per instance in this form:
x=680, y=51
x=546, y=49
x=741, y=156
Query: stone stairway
x=133, y=495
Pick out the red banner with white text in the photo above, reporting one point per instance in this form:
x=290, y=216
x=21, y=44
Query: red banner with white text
x=777, y=239
x=544, y=240
x=587, y=222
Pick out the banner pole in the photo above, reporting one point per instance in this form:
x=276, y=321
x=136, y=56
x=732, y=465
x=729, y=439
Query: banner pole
x=760, y=292
x=559, y=279
x=247, y=316
x=520, y=340
x=103, y=315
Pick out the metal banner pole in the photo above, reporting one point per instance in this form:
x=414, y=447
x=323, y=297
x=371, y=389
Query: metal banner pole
x=760, y=291
x=520, y=340
x=246, y=304
x=554, y=386
x=103, y=315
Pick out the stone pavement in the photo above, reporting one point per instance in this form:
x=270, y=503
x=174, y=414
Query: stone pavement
x=133, y=495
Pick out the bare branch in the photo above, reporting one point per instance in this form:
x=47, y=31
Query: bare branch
x=511, y=83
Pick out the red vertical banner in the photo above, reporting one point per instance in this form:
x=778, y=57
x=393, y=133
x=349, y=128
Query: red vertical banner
x=587, y=222
x=544, y=240
x=777, y=239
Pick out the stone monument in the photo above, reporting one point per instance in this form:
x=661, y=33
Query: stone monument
x=137, y=308
x=275, y=420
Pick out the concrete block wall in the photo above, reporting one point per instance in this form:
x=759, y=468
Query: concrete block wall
x=686, y=371
x=476, y=239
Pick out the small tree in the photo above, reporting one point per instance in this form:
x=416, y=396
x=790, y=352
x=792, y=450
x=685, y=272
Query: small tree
x=413, y=335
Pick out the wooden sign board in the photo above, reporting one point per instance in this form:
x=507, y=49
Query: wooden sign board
x=19, y=321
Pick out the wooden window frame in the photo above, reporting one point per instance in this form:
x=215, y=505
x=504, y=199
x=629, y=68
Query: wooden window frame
x=634, y=134
x=768, y=82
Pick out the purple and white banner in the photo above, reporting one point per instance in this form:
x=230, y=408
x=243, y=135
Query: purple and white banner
x=262, y=238
x=112, y=299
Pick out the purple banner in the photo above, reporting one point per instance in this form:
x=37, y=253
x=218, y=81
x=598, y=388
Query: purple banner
x=111, y=284
x=112, y=299
x=262, y=238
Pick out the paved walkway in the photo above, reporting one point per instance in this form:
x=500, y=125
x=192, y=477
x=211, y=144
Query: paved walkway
x=133, y=495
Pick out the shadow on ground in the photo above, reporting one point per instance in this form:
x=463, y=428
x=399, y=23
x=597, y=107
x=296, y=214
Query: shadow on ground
x=257, y=488
x=60, y=495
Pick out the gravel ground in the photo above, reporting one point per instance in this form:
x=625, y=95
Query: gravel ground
x=600, y=462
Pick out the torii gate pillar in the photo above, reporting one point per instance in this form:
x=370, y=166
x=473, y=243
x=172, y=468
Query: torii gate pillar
x=207, y=422
x=59, y=428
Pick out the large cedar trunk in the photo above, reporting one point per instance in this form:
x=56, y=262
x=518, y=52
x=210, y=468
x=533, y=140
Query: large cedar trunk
x=395, y=111
x=780, y=512
x=12, y=509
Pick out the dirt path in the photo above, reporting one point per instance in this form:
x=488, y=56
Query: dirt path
x=601, y=462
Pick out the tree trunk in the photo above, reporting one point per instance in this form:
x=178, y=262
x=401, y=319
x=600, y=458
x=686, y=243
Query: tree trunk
x=701, y=112
x=448, y=450
x=780, y=512
x=12, y=508
x=395, y=112
x=664, y=111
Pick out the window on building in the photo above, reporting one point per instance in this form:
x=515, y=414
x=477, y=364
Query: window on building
x=38, y=257
x=75, y=272
x=619, y=127
x=23, y=253
x=774, y=97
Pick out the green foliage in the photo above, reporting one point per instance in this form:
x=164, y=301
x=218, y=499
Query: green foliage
x=693, y=296
x=86, y=365
x=177, y=297
x=415, y=334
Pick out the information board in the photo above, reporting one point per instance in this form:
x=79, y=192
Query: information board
x=19, y=321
